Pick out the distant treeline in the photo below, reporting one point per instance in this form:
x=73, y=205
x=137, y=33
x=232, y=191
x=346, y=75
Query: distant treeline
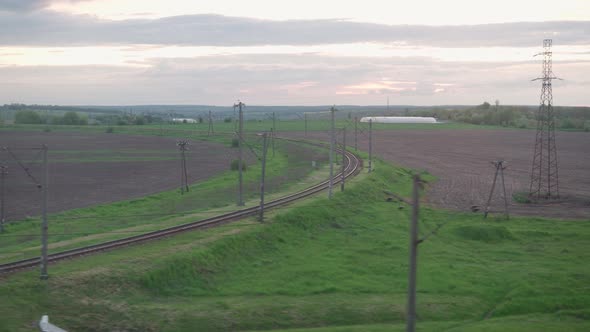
x=32, y=117
x=73, y=118
x=574, y=118
x=566, y=118
x=35, y=107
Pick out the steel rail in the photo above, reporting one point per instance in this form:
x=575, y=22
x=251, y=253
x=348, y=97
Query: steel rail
x=353, y=165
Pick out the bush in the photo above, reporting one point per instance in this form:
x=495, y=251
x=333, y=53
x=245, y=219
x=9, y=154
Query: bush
x=235, y=165
x=227, y=120
x=27, y=117
x=71, y=118
x=139, y=120
x=109, y=130
x=235, y=142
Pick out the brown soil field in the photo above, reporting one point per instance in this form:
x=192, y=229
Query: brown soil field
x=92, y=168
x=460, y=159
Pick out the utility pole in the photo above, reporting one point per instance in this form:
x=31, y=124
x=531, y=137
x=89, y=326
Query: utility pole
x=240, y=160
x=274, y=122
x=411, y=319
x=183, y=173
x=272, y=140
x=356, y=146
x=210, y=129
x=370, y=145
x=499, y=165
x=544, y=175
x=343, y=159
x=332, y=132
x=264, y=148
x=44, y=226
x=3, y=173
x=305, y=119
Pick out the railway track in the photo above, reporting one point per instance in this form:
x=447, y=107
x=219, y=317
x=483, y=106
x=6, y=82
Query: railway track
x=353, y=165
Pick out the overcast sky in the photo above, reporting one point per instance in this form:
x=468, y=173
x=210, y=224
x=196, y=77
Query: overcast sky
x=269, y=52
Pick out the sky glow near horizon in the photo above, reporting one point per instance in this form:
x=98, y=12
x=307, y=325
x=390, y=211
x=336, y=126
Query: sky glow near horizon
x=303, y=52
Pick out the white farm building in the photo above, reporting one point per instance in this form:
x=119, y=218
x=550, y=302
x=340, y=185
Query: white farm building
x=399, y=119
x=184, y=120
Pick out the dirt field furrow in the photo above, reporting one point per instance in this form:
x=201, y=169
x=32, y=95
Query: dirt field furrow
x=461, y=161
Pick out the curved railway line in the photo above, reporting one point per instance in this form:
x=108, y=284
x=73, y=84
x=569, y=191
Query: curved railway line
x=353, y=166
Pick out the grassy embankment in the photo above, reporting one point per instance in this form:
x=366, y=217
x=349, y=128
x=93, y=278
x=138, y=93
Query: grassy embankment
x=287, y=171
x=336, y=265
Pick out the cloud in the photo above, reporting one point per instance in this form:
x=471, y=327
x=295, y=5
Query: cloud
x=309, y=79
x=22, y=5
x=28, y=5
x=51, y=28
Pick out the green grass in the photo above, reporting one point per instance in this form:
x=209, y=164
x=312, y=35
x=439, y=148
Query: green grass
x=338, y=265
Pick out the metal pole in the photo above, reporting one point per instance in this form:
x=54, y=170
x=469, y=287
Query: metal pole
x=370, y=145
x=2, y=196
x=264, y=146
x=343, y=158
x=485, y=215
x=44, y=226
x=240, y=161
x=184, y=169
x=332, y=130
x=305, y=119
x=504, y=187
x=411, y=319
x=272, y=140
x=356, y=146
x=181, y=169
x=210, y=129
x=274, y=123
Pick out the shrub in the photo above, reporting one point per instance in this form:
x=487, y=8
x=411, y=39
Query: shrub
x=235, y=165
x=27, y=117
x=235, y=142
x=109, y=130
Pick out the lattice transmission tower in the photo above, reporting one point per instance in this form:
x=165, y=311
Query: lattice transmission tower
x=544, y=175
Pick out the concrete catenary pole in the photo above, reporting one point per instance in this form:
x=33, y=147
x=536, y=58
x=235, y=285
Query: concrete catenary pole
x=332, y=133
x=264, y=148
x=3, y=173
x=240, y=154
x=370, y=145
x=274, y=122
x=272, y=140
x=411, y=319
x=210, y=129
x=181, y=167
x=305, y=120
x=343, y=159
x=44, y=225
x=356, y=146
x=183, y=171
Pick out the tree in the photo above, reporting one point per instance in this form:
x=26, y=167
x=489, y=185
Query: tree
x=27, y=117
x=72, y=118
